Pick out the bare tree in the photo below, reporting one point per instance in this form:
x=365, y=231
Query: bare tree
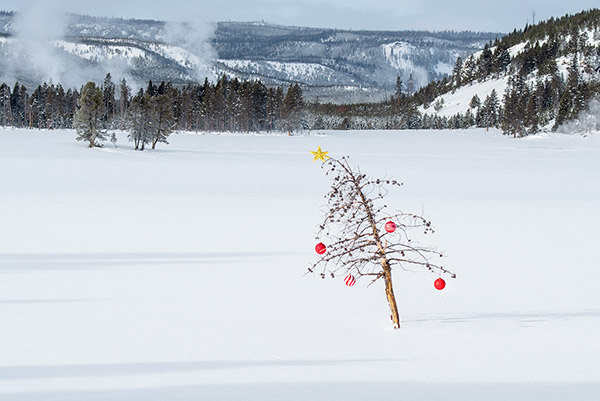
x=358, y=244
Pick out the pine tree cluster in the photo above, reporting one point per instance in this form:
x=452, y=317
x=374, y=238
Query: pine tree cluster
x=227, y=105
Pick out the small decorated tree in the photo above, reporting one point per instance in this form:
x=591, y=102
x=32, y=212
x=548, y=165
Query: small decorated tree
x=362, y=239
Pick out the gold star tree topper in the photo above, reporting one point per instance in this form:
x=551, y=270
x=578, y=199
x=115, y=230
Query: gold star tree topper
x=320, y=155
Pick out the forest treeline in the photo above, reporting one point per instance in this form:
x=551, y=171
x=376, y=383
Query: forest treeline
x=227, y=105
x=231, y=105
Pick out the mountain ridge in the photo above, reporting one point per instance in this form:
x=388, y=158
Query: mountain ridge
x=328, y=63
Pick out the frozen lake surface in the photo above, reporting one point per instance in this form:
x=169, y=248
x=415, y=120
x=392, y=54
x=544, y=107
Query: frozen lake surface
x=179, y=273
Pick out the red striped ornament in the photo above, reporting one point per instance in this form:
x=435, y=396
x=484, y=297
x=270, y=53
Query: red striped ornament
x=350, y=280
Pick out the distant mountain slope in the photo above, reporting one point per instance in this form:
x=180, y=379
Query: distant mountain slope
x=326, y=62
x=357, y=58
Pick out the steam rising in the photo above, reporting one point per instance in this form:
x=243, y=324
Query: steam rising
x=31, y=53
x=195, y=38
x=38, y=52
x=587, y=121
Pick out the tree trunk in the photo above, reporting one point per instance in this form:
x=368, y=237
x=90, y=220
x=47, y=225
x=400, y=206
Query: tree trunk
x=93, y=140
x=387, y=270
x=389, y=293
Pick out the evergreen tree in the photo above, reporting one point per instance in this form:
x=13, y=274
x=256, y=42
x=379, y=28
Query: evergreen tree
x=273, y=108
x=292, y=108
x=141, y=124
x=108, y=94
x=485, y=63
x=18, y=102
x=71, y=98
x=59, y=108
x=457, y=73
x=259, y=101
x=411, y=84
x=475, y=102
x=124, y=99
x=399, y=94
x=468, y=120
x=164, y=120
x=5, y=105
x=500, y=59
x=532, y=113
x=48, y=106
x=489, y=110
x=569, y=103
x=36, y=101
x=151, y=90
x=470, y=70
x=515, y=105
x=87, y=119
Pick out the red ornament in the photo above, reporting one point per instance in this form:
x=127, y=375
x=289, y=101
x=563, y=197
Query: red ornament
x=439, y=284
x=320, y=248
x=390, y=226
x=350, y=280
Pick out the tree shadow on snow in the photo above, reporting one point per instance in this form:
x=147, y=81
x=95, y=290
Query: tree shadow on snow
x=67, y=261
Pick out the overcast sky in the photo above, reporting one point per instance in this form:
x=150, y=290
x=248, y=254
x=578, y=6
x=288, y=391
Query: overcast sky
x=477, y=15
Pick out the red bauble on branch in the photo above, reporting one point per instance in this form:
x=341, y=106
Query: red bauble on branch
x=439, y=284
x=390, y=226
x=320, y=248
x=350, y=280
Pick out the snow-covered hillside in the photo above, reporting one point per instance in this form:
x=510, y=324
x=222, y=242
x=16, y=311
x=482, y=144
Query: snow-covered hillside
x=178, y=274
x=459, y=101
x=548, y=72
x=309, y=73
x=325, y=61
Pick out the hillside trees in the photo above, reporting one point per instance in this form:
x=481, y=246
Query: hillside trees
x=538, y=93
x=399, y=91
x=487, y=114
x=457, y=73
x=475, y=102
x=515, y=102
x=572, y=98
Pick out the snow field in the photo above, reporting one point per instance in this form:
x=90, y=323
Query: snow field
x=179, y=273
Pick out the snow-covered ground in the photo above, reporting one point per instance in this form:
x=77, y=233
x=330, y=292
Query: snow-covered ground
x=178, y=274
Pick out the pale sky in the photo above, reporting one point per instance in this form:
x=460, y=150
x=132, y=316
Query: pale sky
x=476, y=15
